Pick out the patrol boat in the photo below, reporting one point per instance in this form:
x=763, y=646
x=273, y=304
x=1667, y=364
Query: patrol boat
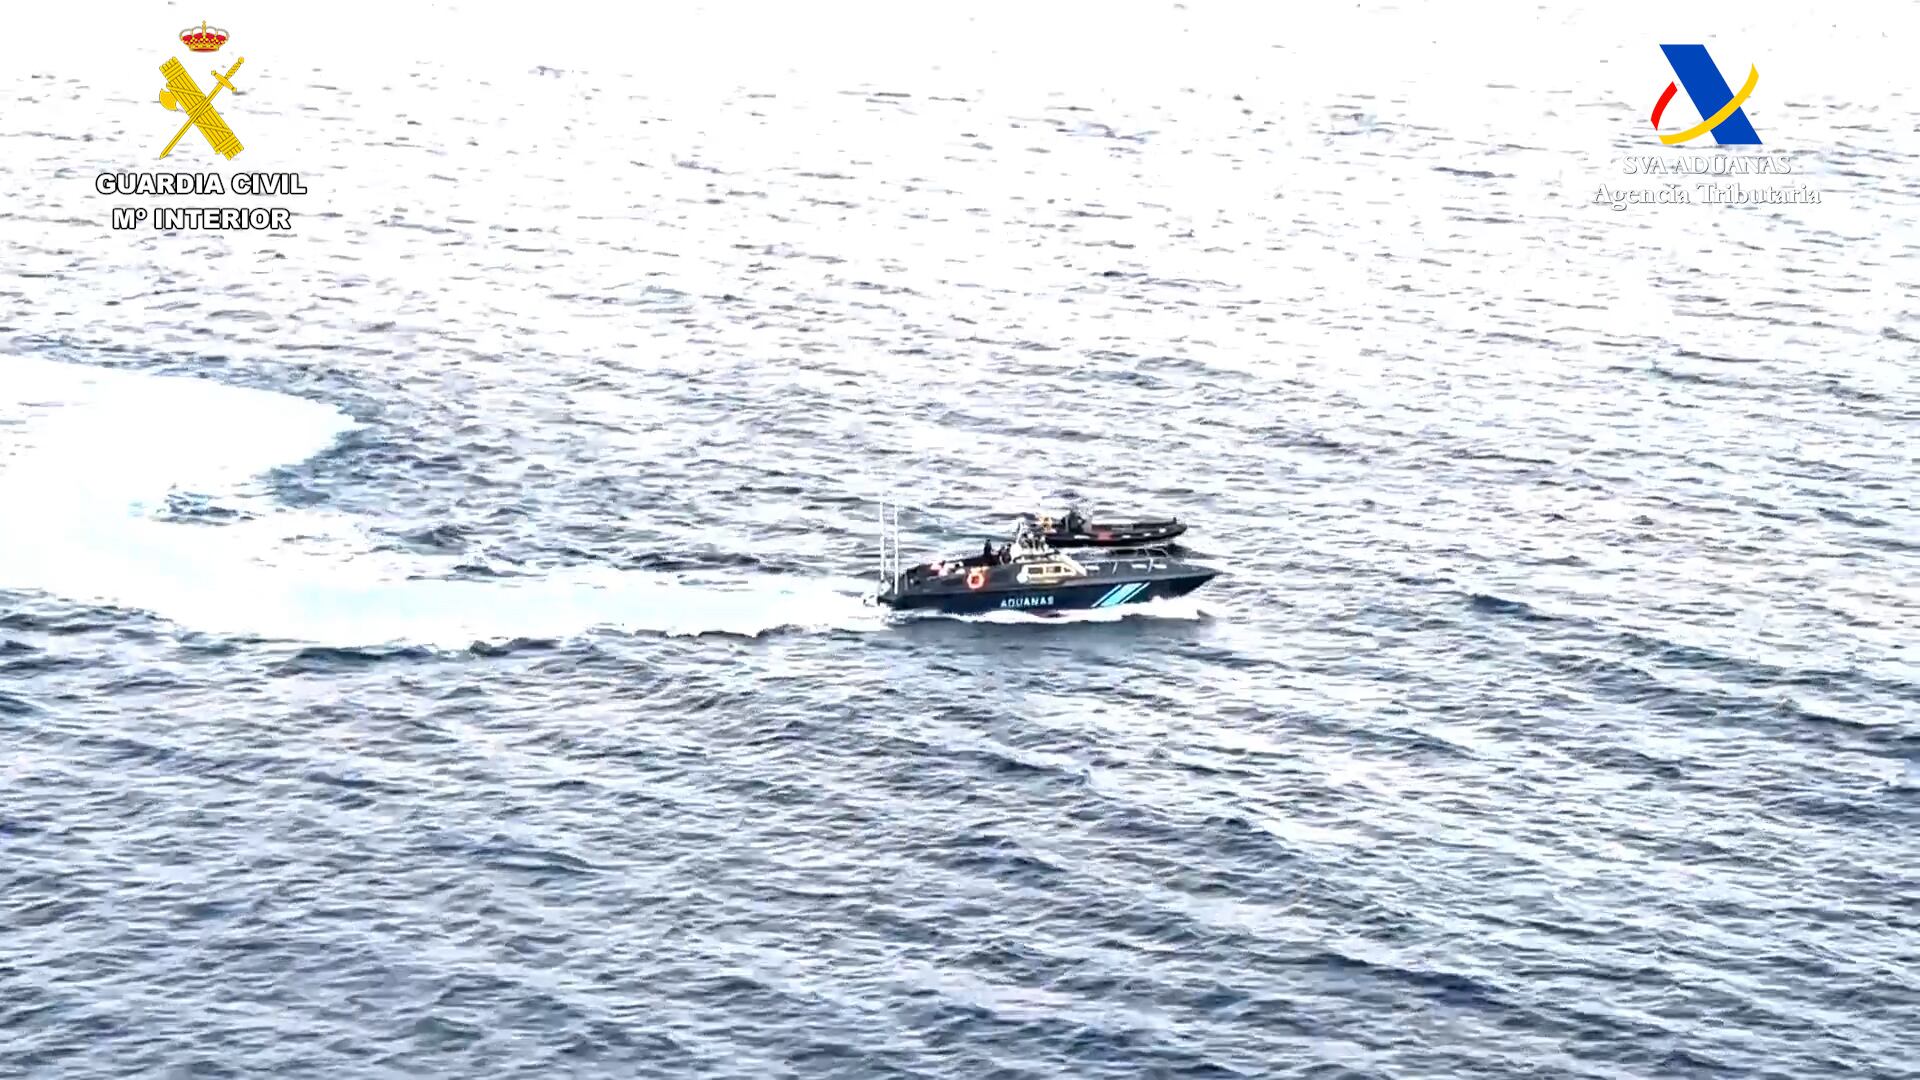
x=1028, y=574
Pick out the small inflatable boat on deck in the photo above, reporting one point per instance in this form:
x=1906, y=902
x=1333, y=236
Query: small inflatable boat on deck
x=1073, y=529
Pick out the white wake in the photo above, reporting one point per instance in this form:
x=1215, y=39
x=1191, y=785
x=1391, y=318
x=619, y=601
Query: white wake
x=88, y=457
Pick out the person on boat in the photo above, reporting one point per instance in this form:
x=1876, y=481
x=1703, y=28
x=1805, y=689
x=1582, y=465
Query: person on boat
x=1074, y=523
x=986, y=550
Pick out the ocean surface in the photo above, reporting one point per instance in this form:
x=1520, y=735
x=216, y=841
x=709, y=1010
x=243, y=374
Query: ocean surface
x=432, y=641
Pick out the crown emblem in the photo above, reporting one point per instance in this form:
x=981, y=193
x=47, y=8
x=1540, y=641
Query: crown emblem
x=204, y=39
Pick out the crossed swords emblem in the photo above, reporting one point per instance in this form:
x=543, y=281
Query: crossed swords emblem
x=183, y=94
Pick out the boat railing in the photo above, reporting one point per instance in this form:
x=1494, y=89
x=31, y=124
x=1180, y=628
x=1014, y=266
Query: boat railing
x=1114, y=558
x=891, y=567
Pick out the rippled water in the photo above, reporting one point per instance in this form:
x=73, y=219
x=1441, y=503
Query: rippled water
x=432, y=643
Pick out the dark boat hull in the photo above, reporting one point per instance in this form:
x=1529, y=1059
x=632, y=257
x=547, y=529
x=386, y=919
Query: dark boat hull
x=1042, y=599
x=1110, y=533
